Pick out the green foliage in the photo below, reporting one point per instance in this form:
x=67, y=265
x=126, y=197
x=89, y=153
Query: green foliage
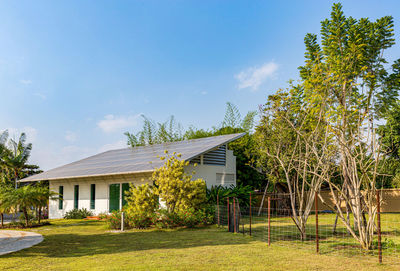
x=154, y=133
x=189, y=218
x=176, y=188
x=241, y=193
x=141, y=199
x=114, y=220
x=78, y=214
x=390, y=139
x=14, y=157
x=142, y=202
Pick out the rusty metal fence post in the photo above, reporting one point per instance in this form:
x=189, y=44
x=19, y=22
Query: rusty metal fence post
x=269, y=221
x=250, y=216
x=316, y=222
x=234, y=216
x=218, y=221
x=227, y=208
x=378, y=202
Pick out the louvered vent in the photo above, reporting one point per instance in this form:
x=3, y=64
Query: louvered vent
x=215, y=157
x=195, y=160
x=225, y=179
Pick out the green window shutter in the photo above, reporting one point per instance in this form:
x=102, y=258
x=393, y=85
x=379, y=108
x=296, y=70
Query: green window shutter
x=114, y=197
x=76, y=196
x=125, y=187
x=61, y=195
x=92, y=196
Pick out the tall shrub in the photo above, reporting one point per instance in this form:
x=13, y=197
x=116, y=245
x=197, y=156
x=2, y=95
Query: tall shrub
x=176, y=188
x=142, y=202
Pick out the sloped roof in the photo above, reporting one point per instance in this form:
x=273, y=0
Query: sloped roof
x=132, y=160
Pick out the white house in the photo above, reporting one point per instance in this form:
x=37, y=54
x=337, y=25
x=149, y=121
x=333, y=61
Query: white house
x=98, y=182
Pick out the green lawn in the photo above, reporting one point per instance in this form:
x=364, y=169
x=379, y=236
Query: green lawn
x=88, y=245
x=285, y=233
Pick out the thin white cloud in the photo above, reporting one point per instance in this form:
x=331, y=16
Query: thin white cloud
x=25, y=82
x=253, y=77
x=70, y=136
x=203, y=93
x=111, y=123
x=40, y=95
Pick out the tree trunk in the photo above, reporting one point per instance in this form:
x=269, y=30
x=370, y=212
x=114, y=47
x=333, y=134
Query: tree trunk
x=26, y=217
x=263, y=198
x=2, y=220
x=40, y=214
x=335, y=224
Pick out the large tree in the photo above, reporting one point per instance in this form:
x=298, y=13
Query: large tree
x=291, y=148
x=346, y=87
x=347, y=73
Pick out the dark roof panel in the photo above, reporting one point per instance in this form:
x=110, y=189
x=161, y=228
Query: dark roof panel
x=132, y=160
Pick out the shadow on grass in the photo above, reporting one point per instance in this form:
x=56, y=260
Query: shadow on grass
x=83, y=242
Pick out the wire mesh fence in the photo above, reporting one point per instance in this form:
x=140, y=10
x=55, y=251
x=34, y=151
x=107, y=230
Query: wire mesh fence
x=324, y=232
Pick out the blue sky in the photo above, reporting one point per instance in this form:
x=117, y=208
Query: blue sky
x=75, y=75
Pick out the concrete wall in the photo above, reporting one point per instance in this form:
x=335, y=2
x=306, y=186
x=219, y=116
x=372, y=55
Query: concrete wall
x=390, y=201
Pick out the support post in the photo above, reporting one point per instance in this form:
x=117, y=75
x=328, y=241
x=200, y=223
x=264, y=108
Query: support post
x=378, y=202
x=269, y=221
x=218, y=210
x=227, y=208
x=122, y=221
x=250, y=215
x=316, y=222
x=234, y=216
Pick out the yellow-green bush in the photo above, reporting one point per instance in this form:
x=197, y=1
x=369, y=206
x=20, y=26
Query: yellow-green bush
x=176, y=188
x=142, y=202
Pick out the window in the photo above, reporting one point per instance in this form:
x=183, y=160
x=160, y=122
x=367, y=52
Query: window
x=92, y=196
x=114, y=197
x=76, y=196
x=61, y=195
x=225, y=179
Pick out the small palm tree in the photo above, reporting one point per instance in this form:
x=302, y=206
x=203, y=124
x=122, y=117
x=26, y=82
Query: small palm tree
x=43, y=194
x=16, y=159
x=5, y=202
x=24, y=198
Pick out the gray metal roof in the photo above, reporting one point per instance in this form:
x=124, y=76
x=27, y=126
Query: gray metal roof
x=132, y=160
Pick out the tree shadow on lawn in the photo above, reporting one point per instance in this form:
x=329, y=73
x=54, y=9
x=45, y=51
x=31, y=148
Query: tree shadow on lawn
x=64, y=245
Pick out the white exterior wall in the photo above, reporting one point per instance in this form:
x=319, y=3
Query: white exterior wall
x=209, y=172
x=102, y=193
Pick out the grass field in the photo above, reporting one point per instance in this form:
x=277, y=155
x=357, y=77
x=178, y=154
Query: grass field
x=88, y=245
x=283, y=232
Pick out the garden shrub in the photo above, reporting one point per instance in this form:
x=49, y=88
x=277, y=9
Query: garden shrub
x=175, y=187
x=78, y=214
x=142, y=202
x=30, y=217
x=141, y=220
x=166, y=220
x=114, y=220
x=22, y=225
x=103, y=215
x=183, y=218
